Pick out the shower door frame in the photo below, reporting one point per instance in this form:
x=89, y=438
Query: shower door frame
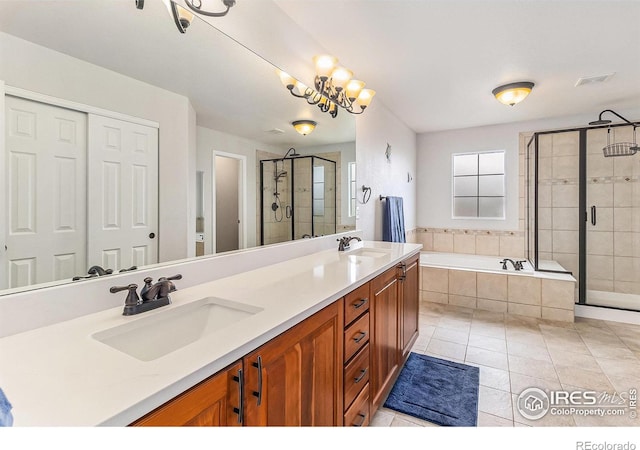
x=292, y=159
x=582, y=207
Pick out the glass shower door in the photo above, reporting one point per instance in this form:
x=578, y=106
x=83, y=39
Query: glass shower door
x=613, y=223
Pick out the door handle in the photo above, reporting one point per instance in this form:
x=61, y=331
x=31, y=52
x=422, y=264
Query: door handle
x=258, y=393
x=240, y=409
x=593, y=215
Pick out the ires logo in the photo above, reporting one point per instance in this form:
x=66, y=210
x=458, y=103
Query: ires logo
x=534, y=403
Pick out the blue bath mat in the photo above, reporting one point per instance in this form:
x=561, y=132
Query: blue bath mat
x=436, y=390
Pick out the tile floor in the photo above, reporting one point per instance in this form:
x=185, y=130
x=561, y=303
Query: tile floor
x=515, y=352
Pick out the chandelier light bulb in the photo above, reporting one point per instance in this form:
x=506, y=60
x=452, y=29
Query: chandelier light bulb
x=365, y=97
x=340, y=77
x=287, y=80
x=324, y=65
x=353, y=89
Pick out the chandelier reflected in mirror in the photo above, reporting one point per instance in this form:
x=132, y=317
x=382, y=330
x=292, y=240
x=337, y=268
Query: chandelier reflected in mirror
x=333, y=88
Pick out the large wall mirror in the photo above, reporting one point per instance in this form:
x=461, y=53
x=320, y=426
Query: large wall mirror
x=230, y=170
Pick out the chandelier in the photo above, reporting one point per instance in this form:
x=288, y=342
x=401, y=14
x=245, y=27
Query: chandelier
x=333, y=88
x=183, y=17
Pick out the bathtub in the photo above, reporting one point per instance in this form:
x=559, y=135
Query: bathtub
x=479, y=282
x=472, y=262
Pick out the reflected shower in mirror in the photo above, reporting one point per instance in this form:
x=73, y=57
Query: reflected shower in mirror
x=210, y=99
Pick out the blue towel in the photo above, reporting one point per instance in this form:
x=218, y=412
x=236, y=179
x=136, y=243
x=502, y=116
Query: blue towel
x=393, y=220
x=6, y=419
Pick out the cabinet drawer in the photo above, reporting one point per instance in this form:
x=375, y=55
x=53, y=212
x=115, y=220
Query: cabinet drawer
x=358, y=414
x=356, y=303
x=356, y=375
x=356, y=336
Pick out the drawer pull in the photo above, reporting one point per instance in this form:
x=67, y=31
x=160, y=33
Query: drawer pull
x=360, y=337
x=360, y=303
x=363, y=418
x=359, y=378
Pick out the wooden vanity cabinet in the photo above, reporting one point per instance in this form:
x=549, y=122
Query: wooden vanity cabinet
x=384, y=335
x=409, y=296
x=296, y=378
x=333, y=368
x=213, y=402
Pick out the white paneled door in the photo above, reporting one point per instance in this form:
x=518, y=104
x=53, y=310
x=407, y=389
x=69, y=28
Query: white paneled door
x=44, y=185
x=122, y=193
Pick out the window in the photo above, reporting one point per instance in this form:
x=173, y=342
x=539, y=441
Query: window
x=478, y=185
x=318, y=190
x=352, y=189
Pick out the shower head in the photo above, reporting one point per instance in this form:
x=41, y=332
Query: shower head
x=293, y=153
x=602, y=121
x=281, y=174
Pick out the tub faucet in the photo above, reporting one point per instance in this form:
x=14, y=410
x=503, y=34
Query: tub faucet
x=97, y=270
x=517, y=265
x=345, y=241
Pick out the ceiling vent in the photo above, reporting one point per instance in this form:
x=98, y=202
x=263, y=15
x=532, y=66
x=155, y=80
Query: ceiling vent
x=595, y=79
x=275, y=131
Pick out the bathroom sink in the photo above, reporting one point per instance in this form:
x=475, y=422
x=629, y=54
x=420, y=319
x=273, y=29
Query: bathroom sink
x=365, y=252
x=159, y=334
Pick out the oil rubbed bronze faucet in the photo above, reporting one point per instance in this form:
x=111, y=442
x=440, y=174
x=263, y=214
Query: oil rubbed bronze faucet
x=517, y=265
x=345, y=241
x=153, y=295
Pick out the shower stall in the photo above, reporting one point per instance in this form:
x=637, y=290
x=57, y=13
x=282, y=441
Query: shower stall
x=583, y=210
x=297, y=198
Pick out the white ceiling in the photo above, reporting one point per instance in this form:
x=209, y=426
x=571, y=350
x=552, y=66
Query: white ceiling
x=230, y=87
x=434, y=63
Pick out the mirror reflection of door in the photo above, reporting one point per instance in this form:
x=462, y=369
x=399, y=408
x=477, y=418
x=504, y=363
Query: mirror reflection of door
x=228, y=201
x=81, y=190
x=45, y=191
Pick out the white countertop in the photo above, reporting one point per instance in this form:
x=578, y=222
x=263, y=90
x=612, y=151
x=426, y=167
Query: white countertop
x=59, y=375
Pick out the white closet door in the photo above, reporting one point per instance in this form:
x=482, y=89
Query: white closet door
x=45, y=166
x=122, y=194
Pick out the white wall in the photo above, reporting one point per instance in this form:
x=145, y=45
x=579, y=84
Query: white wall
x=374, y=129
x=35, y=68
x=434, y=167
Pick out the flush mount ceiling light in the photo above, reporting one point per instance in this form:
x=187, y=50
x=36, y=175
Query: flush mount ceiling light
x=334, y=87
x=183, y=17
x=513, y=93
x=304, y=127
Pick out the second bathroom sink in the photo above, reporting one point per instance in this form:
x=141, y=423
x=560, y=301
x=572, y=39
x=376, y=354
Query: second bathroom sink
x=159, y=334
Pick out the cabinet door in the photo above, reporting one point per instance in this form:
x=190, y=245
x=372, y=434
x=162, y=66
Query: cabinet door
x=214, y=402
x=296, y=378
x=409, y=304
x=384, y=334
